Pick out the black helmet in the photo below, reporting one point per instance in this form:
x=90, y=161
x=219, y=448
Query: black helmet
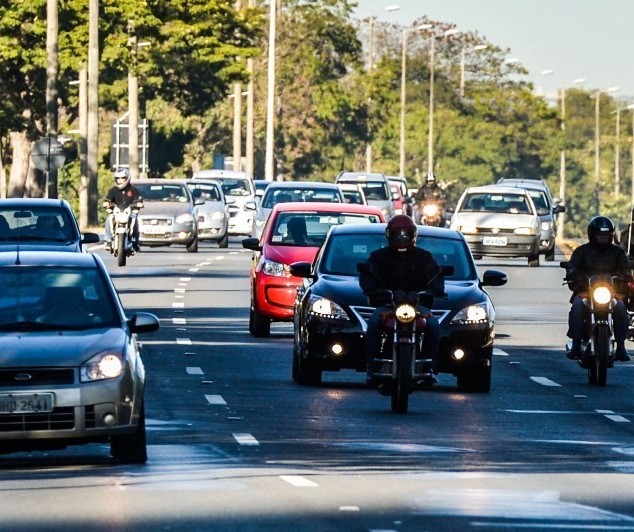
x=401, y=232
x=600, y=225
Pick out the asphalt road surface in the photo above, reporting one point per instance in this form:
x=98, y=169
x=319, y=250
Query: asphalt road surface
x=235, y=444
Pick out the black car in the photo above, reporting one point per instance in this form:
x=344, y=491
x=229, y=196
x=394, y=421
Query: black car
x=331, y=311
x=40, y=224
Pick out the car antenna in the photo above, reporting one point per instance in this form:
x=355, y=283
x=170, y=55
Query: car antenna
x=17, y=255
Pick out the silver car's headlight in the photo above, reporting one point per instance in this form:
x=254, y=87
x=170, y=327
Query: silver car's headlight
x=186, y=218
x=326, y=308
x=276, y=269
x=101, y=366
x=547, y=226
x=478, y=313
x=218, y=215
x=525, y=231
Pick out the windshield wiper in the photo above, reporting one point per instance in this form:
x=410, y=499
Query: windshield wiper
x=26, y=326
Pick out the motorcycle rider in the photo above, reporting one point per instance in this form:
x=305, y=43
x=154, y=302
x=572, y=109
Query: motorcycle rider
x=400, y=265
x=430, y=192
x=598, y=256
x=122, y=194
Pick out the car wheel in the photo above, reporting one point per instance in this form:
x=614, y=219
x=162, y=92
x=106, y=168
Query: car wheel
x=224, y=241
x=192, y=247
x=259, y=325
x=308, y=372
x=476, y=381
x=533, y=261
x=131, y=448
x=550, y=255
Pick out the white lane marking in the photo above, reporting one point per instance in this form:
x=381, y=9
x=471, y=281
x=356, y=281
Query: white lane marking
x=179, y=321
x=179, y=296
x=185, y=279
x=614, y=417
x=499, y=352
x=193, y=270
x=349, y=508
x=178, y=304
x=234, y=252
x=298, y=482
x=183, y=341
x=544, y=381
x=244, y=438
x=215, y=399
x=194, y=371
x=220, y=257
x=513, y=411
x=179, y=290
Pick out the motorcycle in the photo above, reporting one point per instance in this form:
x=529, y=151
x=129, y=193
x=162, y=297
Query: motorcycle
x=122, y=230
x=598, y=344
x=431, y=214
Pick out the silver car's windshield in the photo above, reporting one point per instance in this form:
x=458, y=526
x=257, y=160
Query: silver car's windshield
x=44, y=298
x=344, y=252
x=204, y=192
x=496, y=202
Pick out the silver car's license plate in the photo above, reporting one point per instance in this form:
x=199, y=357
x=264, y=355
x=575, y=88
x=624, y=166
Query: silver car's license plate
x=494, y=241
x=25, y=403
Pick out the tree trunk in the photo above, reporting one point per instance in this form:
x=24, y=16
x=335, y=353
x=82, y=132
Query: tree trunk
x=21, y=148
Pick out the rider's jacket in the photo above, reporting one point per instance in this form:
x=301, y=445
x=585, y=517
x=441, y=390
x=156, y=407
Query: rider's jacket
x=123, y=198
x=589, y=259
x=428, y=194
x=400, y=270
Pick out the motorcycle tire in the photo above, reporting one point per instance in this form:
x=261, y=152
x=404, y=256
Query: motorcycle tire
x=121, y=250
x=402, y=386
x=602, y=353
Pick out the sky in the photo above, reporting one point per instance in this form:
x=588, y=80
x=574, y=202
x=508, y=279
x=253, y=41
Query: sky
x=575, y=39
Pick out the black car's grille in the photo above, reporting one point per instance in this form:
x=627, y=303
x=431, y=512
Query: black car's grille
x=363, y=315
x=36, y=376
x=58, y=419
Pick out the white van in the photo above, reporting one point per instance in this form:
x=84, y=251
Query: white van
x=237, y=186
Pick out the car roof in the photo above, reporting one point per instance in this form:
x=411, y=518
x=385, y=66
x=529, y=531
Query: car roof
x=203, y=182
x=310, y=206
x=219, y=172
x=38, y=202
x=160, y=181
x=302, y=184
x=423, y=230
x=495, y=189
x=361, y=176
x=532, y=184
x=47, y=258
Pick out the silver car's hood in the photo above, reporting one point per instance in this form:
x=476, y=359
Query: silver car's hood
x=57, y=349
x=493, y=219
x=164, y=208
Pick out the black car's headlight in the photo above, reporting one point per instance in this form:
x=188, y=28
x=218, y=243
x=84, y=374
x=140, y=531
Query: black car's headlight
x=101, y=366
x=325, y=308
x=478, y=313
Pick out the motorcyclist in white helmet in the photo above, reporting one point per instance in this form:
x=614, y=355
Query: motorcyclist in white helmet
x=122, y=194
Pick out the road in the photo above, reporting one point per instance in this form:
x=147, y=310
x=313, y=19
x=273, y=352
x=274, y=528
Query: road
x=235, y=444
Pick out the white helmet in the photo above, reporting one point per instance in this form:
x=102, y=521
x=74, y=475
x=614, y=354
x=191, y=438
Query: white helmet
x=119, y=174
x=430, y=177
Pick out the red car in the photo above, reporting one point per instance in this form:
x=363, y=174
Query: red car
x=293, y=232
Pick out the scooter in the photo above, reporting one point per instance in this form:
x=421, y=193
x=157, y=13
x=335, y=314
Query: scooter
x=122, y=230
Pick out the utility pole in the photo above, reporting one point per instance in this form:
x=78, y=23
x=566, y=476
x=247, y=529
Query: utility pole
x=93, y=112
x=83, y=159
x=270, y=106
x=250, y=104
x=52, y=70
x=133, y=105
x=562, y=166
x=368, y=146
x=237, y=117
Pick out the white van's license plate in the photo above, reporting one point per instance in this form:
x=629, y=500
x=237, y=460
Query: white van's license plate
x=494, y=241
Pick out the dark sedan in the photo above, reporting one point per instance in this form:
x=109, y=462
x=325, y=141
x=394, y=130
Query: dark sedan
x=331, y=311
x=70, y=366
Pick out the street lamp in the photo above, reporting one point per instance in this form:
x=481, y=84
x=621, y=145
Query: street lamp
x=597, y=137
x=476, y=48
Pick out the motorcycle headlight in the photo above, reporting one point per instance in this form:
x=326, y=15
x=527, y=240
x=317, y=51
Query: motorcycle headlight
x=276, y=269
x=602, y=295
x=524, y=231
x=184, y=218
x=102, y=366
x=478, y=313
x=405, y=313
x=326, y=308
x=430, y=209
x=218, y=215
x=121, y=217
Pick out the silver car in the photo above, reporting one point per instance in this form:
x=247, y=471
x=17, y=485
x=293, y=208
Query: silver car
x=168, y=215
x=375, y=187
x=70, y=364
x=499, y=221
x=213, y=215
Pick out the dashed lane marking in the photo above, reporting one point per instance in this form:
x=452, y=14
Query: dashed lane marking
x=614, y=417
x=215, y=399
x=194, y=270
x=179, y=290
x=544, y=381
x=499, y=352
x=194, y=371
x=185, y=279
x=298, y=482
x=179, y=321
x=183, y=341
x=178, y=304
x=244, y=438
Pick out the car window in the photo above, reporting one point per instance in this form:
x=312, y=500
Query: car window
x=163, y=192
x=375, y=191
x=205, y=192
x=495, y=202
x=313, y=227
x=273, y=196
x=541, y=202
x=344, y=252
x=54, y=297
x=235, y=187
x=37, y=223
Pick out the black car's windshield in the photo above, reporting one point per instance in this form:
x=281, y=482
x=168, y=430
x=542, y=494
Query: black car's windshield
x=344, y=252
x=309, y=229
x=163, y=192
x=274, y=196
x=36, y=224
x=41, y=298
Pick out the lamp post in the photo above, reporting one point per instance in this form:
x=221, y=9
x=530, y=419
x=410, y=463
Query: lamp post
x=631, y=108
x=270, y=106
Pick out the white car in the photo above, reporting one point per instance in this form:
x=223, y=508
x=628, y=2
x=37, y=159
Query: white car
x=499, y=221
x=238, y=186
x=213, y=214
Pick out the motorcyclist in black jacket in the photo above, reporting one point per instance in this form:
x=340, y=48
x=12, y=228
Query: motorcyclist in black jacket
x=598, y=256
x=400, y=265
x=122, y=194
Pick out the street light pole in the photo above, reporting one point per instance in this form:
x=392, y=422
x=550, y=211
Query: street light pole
x=270, y=107
x=597, y=138
x=430, y=134
x=562, y=167
x=368, y=146
x=401, y=166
